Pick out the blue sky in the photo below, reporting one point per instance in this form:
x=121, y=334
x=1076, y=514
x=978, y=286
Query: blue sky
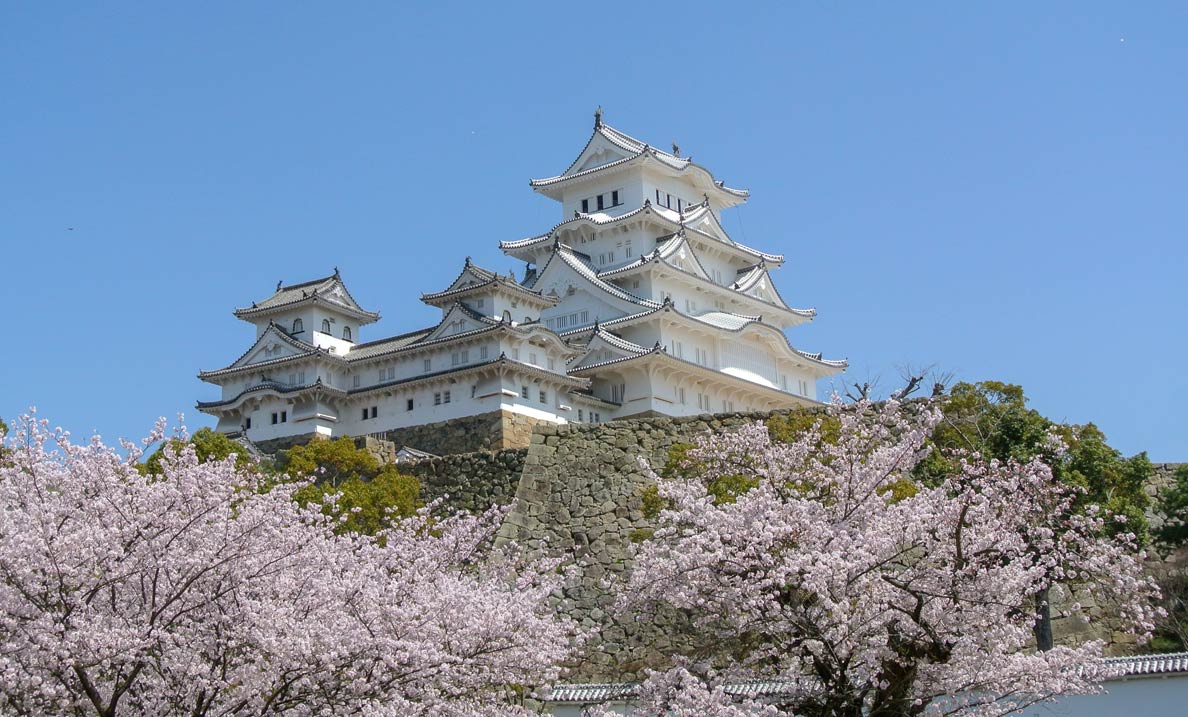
x=998, y=190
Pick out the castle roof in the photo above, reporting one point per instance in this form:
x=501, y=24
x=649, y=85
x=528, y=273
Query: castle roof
x=751, y=290
x=633, y=151
x=475, y=279
x=274, y=334
x=578, y=262
x=674, y=220
x=329, y=291
x=720, y=320
x=502, y=362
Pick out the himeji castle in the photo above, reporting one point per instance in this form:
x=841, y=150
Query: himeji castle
x=637, y=303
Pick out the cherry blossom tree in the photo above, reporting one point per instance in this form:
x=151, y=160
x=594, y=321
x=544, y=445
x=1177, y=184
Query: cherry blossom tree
x=203, y=590
x=863, y=592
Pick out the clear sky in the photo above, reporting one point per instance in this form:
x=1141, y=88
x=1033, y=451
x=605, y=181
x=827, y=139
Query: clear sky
x=998, y=190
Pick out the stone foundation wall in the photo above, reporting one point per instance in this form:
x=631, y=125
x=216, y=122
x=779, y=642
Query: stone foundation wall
x=493, y=431
x=582, y=490
x=276, y=445
x=472, y=482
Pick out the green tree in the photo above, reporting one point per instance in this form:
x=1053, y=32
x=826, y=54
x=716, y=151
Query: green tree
x=992, y=418
x=208, y=446
x=372, y=504
x=370, y=494
x=329, y=461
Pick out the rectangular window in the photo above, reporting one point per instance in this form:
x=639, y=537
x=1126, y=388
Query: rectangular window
x=615, y=198
x=247, y=423
x=482, y=352
x=532, y=358
x=427, y=365
x=364, y=414
x=611, y=254
x=657, y=196
x=374, y=411
x=600, y=205
x=274, y=418
x=668, y=200
x=523, y=392
x=544, y=397
x=479, y=303
x=552, y=364
x=580, y=419
x=408, y=405
x=284, y=416
x=679, y=207
x=585, y=206
x=635, y=284
x=516, y=354
x=355, y=381
x=437, y=399
x=628, y=253
x=681, y=396
x=391, y=373
x=445, y=397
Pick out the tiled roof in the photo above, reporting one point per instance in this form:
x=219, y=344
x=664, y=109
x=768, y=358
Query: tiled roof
x=667, y=247
x=718, y=319
x=1139, y=665
x=726, y=320
x=382, y=346
x=1175, y=663
x=318, y=385
x=637, y=149
x=286, y=296
x=619, y=343
x=487, y=279
x=672, y=217
x=270, y=386
x=273, y=330
x=570, y=256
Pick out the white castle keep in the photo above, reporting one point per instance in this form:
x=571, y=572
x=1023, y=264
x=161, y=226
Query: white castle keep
x=638, y=303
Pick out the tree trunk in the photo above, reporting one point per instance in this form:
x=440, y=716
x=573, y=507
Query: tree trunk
x=1042, y=629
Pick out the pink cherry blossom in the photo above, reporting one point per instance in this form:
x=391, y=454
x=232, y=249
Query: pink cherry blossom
x=207, y=591
x=861, y=598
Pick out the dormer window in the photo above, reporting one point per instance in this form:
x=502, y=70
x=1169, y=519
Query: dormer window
x=325, y=326
x=298, y=327
x=346, y=333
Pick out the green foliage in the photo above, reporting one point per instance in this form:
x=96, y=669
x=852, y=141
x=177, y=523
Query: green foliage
x=208, y=446
x=371, y=495
x=330, y=461
x=652, y=502
x=369, y=504
x=1174, y=506
x=992, y=418
x=789, y=427
x=725, y=489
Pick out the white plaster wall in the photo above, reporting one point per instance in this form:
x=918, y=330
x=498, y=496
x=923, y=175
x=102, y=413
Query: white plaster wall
x=581, y=300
